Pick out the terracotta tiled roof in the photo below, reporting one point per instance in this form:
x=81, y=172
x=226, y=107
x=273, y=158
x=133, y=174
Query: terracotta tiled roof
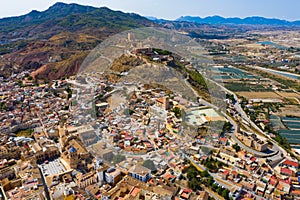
x=291, y=163
x=286, y=171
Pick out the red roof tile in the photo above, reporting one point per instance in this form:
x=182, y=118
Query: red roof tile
x=253, y=159
x=135, y=191
x=273, y=180
x=286, y=171
x=169, y=176
x=291, y=163
x=187, y=190
x=287, y=181
x=226, y=172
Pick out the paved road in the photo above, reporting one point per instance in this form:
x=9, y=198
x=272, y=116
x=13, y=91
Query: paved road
x=42, y=123
x=46, y=190
x=276, y=146
x=202, y=101
x=73, y=82
x=225, y=184
x=288, y=75
x=211, y=193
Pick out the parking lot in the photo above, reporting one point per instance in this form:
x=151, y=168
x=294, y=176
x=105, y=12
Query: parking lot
x=53, y=167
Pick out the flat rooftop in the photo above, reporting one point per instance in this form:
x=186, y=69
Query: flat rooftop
x=198, y=116
x=53, y=167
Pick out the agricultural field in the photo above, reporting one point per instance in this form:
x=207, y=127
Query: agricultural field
x=261, y=95
x=231, y=73
x=289, y=95
x=245, y=87
x=291, y=133
x=289, y=110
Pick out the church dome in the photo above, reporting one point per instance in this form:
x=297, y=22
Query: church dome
x=72, y=150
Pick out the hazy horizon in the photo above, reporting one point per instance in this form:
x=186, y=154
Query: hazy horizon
x=172, y=9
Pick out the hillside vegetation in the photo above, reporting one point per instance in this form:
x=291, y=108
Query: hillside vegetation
x=54, y=42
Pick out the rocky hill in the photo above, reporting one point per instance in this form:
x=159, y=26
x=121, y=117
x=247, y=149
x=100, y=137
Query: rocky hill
x=55, y=42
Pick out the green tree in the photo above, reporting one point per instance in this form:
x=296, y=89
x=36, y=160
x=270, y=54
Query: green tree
x=20, y=83
x=177, y=112
x=236, y=147
x=192, y=172
x=225, y=194
x=219, y=190
x=205, y=173
x=118, y=158
x=194, y=184
x=210, y=181
x=214, y=187
x=226, y=126
x=150, y=165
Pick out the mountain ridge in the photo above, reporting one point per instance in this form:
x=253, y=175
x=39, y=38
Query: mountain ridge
x=64, y=31
x=61, y=14
x=58, y=10
x=253, y=20
x=54, y=42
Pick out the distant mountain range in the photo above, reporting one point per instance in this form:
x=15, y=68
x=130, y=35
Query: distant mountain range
x=238, y=21
x=56, y=41
x=217, y=20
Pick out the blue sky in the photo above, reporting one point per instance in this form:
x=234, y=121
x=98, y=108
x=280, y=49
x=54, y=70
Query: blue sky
x=172, y=9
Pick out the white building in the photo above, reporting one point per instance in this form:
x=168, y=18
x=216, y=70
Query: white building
x=141, y=173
